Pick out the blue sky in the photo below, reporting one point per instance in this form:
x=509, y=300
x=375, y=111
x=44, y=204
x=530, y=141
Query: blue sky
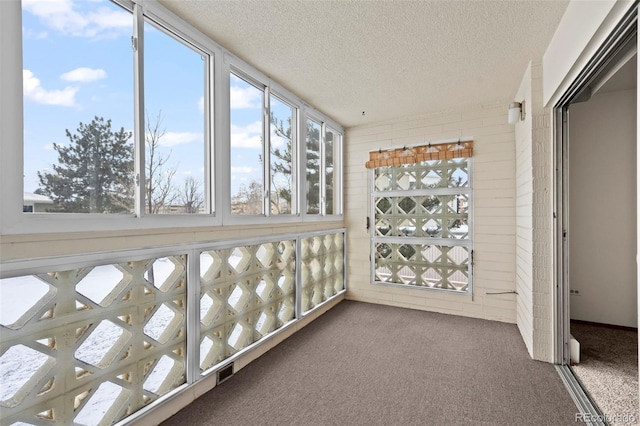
x=78, y=63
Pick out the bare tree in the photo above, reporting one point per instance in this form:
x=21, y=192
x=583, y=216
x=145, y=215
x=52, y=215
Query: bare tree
x=248, y=200
x=191, y=197
x=159, y=188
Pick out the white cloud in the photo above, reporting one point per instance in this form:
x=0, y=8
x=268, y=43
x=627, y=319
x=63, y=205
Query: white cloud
x=27, y=33
x=84, y=75
x=33, y=90
x=247, y=97
x=48, y=147
x=242, y=169
x=249, y=136
x=201, y=104
x=277, y=141
x=177, y=138
x=63, y=16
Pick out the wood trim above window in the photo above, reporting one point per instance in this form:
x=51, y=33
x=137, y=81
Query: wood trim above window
x=417, y=154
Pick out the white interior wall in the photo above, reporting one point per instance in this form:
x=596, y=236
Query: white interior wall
x=602, y=209
x=534, y=225
x=494, y=208
x=543, y=223
x=524, y=214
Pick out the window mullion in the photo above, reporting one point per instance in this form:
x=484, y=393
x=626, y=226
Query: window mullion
x=138, y=111
x=209, y=132
x=323, y=164
x=296, y=164
x=266, y=152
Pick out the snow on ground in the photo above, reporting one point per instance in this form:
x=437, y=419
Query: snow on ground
x=20, y=363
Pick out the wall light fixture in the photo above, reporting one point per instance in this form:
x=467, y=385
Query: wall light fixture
x=516, y=112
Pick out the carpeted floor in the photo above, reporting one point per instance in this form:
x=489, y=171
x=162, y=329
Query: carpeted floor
x=365, y=364
x=608, y=369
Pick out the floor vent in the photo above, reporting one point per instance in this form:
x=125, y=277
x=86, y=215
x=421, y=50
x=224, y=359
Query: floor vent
x=225, y=372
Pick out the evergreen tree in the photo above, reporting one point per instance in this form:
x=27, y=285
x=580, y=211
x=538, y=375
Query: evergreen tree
x=249, y=200
x=281, y=173
x=282, y=160
x=313, y=168
x=94, y=172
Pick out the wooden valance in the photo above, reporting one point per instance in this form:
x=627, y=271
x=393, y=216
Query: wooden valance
x=417, y=154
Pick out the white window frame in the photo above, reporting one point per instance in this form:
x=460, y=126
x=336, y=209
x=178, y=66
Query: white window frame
x=295, y=149
x=337, y=168
x=14, y=222
x=140, y=115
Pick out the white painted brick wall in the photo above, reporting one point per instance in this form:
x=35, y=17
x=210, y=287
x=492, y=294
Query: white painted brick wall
x=494, y=208
x=543, y=233
x=534, y=223
x=524, y=214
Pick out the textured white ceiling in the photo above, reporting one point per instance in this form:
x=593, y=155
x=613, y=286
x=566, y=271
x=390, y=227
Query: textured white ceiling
x=388, y=58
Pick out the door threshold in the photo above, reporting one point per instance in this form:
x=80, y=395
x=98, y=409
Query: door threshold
x=588, y=411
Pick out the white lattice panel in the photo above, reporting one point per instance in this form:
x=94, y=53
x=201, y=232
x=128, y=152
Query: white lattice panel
x=91, y=345
x=246, y=293
x=94, y=345
x=441, y=267
x=322, y=268
x=429, y=206
x=452, y=173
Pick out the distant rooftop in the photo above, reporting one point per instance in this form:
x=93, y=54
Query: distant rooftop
x=30, y=197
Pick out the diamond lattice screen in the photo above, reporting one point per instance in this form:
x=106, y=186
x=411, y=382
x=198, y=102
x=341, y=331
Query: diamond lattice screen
x=246, y=293
x=322, y=263
x=92, y=345
x=421, y=235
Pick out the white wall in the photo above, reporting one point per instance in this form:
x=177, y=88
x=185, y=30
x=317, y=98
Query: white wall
x=494, y=208
x=534, y=224
x=602, y=209
x=524, y=214
x=543, y=224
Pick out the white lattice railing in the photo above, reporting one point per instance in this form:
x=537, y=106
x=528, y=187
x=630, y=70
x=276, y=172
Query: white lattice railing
x=93, y=339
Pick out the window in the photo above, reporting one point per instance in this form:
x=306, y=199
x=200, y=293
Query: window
x=78, y=106
x=282, y=125
x=323, y=151
x=422, y=234
x=263, y=166
x=175, y=123
x=136, y=137
x=247, y=147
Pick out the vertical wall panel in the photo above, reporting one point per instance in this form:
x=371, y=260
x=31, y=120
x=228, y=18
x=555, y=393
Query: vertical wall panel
x=495, y=206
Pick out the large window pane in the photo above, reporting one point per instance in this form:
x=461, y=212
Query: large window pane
x=247, y=177
x=78, y=107
x=174, y=91
x=281, y=128
x=313, y=167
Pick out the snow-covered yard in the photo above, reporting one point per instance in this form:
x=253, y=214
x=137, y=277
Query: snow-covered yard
x=19, y=364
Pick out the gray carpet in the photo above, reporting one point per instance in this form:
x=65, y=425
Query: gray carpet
x=608, y=369
x=365, y=364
